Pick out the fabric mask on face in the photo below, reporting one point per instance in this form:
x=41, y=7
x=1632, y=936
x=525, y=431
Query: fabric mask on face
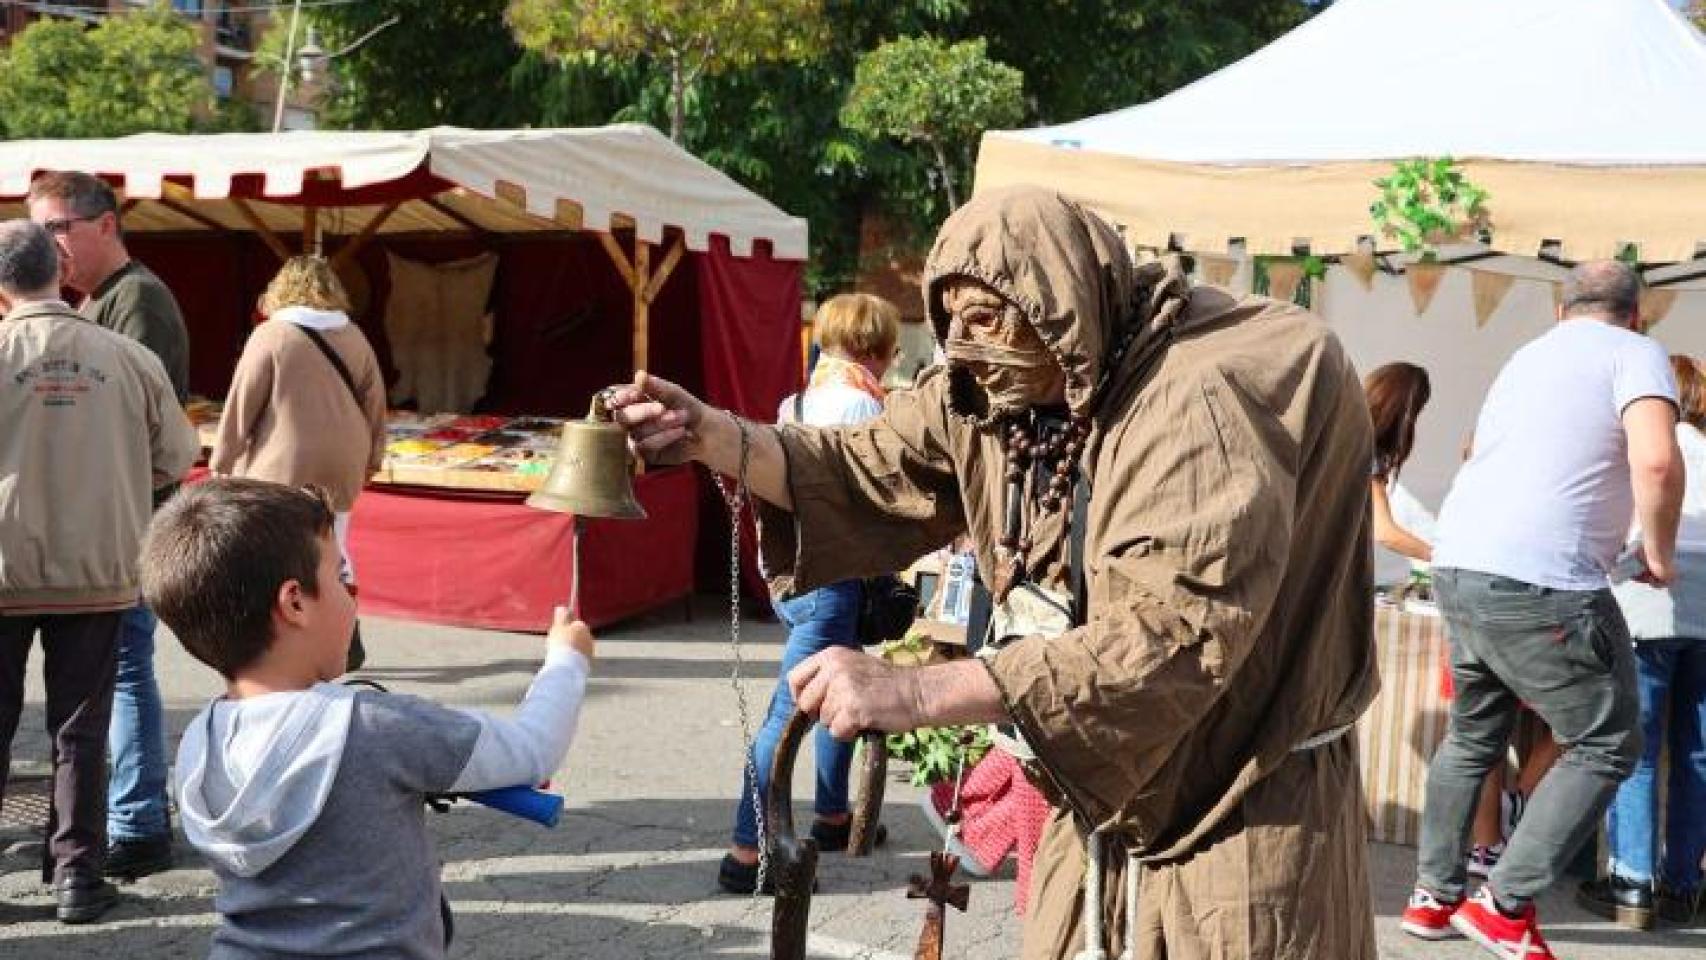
x=1014, y=374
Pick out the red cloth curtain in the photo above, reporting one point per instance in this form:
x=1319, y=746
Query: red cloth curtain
x=751, y=333
x=489, y=560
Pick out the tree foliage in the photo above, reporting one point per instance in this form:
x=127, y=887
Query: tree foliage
x=449, y=62
x=922, y=90
x=688, y=38
x=132, y=73
x=774, y=124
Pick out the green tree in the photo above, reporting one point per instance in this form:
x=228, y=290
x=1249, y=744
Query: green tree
x=134, y=72
x=922, y=90
x=449, y=62
x=774, y=126
x=689, y=38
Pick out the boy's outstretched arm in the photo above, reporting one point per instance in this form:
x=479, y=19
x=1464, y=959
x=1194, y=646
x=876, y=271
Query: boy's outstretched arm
x=527, y=748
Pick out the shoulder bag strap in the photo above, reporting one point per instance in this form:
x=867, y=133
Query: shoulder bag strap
x=337, y=363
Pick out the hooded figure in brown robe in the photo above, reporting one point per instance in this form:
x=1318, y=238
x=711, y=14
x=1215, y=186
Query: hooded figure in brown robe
x=1197, y=718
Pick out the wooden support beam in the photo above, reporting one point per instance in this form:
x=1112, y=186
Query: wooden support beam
x=347, y=252
x=185, y=210
x=260, y=226
x=618, y=258
x=311, y=229
x=640, y=280
x=664, y=269
x=128, y=205
x=452, y=213
x=642, y=306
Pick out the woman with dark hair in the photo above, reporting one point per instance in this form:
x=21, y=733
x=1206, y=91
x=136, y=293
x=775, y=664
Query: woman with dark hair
x=1397, y=392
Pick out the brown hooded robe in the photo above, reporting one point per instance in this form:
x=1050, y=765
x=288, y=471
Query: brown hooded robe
x=1229, y=603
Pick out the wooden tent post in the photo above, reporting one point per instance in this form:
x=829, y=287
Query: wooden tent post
x=311, y=229
x=642, y=306
x=644, y=283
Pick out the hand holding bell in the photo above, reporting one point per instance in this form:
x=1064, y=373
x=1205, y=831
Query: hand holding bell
x=662, y=420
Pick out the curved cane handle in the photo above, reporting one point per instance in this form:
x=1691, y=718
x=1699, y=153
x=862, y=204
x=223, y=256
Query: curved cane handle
x=793, y=859
x=868, y=808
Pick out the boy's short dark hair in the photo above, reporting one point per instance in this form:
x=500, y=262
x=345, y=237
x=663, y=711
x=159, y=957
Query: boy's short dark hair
x=215, y=557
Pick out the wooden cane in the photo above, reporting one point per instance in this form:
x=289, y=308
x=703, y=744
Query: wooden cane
x=793, y=859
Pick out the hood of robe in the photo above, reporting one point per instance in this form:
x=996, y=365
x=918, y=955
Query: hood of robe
x=1068, y=271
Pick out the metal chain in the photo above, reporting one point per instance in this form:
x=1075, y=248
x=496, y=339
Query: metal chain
x=736, y=499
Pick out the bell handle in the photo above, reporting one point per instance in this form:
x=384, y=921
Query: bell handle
x=599, y=411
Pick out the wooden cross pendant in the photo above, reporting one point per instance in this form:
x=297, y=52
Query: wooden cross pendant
x=940, y=891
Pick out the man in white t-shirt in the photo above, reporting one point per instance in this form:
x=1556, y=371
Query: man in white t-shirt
x=1577, y=437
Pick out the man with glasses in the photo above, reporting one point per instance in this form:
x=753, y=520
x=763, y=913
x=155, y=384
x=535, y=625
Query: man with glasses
x=81, y=213
x=92, y=429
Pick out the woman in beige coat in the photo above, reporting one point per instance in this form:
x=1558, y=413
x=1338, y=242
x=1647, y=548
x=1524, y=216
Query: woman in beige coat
x=294, y=415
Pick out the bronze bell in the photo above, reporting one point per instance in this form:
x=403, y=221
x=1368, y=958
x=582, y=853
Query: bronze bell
x=593, y=474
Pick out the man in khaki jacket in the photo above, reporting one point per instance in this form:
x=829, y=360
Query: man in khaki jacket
x=1188, y=709
x=92, y=428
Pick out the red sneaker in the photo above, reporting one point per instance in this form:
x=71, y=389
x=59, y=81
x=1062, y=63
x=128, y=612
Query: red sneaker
x=1503, y=937
x=1427, y=917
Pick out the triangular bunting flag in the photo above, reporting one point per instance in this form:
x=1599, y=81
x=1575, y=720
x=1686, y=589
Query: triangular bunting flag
x=1424, y=283
x=1489, y=290
x=1283, y=279
x=1655, y=306
x=1216, y=270
x=1361, y=266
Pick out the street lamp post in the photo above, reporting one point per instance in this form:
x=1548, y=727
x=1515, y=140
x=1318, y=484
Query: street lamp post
x=311, y=57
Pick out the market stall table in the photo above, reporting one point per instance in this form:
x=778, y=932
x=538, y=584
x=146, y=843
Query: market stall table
x=443, y=534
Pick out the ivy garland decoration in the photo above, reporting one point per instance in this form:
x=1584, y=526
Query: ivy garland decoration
x=1429, y=201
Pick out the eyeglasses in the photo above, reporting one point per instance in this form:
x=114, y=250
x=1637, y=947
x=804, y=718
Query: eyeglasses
x=61, y=226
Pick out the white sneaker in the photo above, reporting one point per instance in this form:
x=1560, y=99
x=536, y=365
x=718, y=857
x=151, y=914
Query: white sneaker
x=968, y=860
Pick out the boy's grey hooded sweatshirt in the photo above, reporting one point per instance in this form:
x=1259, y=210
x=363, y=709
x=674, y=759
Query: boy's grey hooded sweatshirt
x=310, y=806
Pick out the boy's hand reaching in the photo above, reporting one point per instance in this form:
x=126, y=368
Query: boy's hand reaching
x=569, y=634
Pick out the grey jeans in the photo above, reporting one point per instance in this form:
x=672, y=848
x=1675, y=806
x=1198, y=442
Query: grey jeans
x=1566, y=654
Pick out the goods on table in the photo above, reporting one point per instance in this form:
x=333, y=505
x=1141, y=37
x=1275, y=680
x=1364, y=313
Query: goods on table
x=482, y=451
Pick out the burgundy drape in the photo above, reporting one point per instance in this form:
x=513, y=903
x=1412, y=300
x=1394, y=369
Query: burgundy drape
x=751, y=331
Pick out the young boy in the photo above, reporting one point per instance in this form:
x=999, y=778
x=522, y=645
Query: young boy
x=307, y=795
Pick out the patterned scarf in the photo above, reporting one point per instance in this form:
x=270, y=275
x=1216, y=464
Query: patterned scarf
x=833, y=370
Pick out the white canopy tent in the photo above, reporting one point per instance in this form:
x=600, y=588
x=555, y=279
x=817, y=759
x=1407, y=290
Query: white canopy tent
x=1585, y=119
x=599, y=178
x=358, y=185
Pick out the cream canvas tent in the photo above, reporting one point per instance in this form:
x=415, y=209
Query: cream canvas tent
x=1585, y=119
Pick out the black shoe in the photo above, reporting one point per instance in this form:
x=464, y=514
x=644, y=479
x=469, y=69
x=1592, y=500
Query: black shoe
x=83, y=900
x=133, y=859
x=1614, y=898
x=1677, y=907
x=742, y=878
x=834, y=837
